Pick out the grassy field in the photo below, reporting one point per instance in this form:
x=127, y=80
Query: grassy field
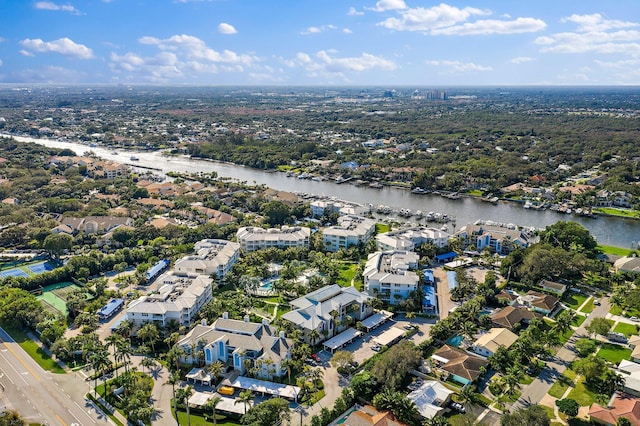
x=626, y=329
x=578, y=320
x=382, y=227
x=197, y=420
x=346, y=274
x=583, y=396
x=574, y=300
x=588, y=307
x=614, y=353
x=611, y=211
x=33, y=350
x=618, y=251
x=560, y=387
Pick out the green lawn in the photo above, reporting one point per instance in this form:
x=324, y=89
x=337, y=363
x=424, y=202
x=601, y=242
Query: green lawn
x=33, y=350
x=617, y=211
x=588, y=307
x=626, y=329
x=583, y=396
x=382, y=227
x=618, y=251
x=198, y=420
x=574, y=300
x=578, y=320
x=346, y=273
x=614, y=353
x=560, y=387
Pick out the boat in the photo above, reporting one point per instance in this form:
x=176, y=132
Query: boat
x=431, y=216
x=419, y=214
x=376, y=185
x=134, y=158
x=114, y=152
x=528, y=204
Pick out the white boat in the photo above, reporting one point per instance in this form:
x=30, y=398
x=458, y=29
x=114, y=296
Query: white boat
x=134, y=158
x=527, y=204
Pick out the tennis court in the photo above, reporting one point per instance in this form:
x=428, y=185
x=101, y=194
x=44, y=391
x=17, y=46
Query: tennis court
x=54, y=296
x=14, y=272
x=38, y=268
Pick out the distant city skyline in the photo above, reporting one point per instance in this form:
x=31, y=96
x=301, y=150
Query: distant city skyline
x=332, y=42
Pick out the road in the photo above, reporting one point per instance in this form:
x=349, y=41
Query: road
x=533, y=393
x=37, y=395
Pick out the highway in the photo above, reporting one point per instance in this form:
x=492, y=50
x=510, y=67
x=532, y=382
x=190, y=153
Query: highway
x=37, y=394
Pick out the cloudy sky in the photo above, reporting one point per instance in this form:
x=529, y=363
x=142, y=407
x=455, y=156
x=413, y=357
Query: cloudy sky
x=321, y=42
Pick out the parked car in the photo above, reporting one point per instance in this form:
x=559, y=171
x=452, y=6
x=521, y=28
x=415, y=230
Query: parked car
x=316, y=357
x=596, y=302
x=376, y=348
x=458, y=407
x=635, y=319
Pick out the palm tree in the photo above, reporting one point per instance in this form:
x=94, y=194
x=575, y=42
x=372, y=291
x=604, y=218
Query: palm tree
x=183, y=395
x=314, y=336
x=173, y=380
x=287, y=364
x=100, y=361
x=148, y=362
x=211, y=404
x=149, y=333
x=246, y=396
x=314, y=375
x=468, y=394
x=410, y=315
x=216, y=369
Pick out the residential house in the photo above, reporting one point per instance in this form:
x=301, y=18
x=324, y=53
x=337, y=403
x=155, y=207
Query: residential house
x=212, y=257
x=178, y=299
x=431, y=398
x=553, y=287
x=242, y=345
x=367, y=416
x=350, y=231
x=461, y=366
x=499, y=239
x=388, y=275
x=412, y=238
x=487, y=344
x=156, y=203
x=96, y=224
x=284, y=197
x=252, y=238
x=628, y=264
x=215, y=216
x=321, y=314
x=539, y=302
x=630, y=371
x=621, y=405
x=510, y=316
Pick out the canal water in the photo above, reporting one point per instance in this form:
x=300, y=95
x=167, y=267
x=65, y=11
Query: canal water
x=607, y=230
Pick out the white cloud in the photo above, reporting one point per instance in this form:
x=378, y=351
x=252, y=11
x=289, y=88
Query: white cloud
x=159, y=68
x=326, y=63
x=460, y=66
x=225, y=28
x=0, y=62
x=422, y=19
x=318, y=30
x=521, y=59
x=493, y=26
x=26, y=53
x=64, y=46
x=445, y=19
x=383, y=5
x=194, y=48
x=353, y=12
x=347, y=31
x=594, y=34
x=595, y=22
x=47, y=5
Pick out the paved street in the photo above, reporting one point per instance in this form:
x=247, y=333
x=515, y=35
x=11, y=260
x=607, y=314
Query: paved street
x=38, y=395
x=533, y=393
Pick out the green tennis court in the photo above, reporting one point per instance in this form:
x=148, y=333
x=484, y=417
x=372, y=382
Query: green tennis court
x=53, y=301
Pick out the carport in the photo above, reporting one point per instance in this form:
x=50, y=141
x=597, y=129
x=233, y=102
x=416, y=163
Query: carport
x=390, y=336
x=376, y=319
x=342, y=339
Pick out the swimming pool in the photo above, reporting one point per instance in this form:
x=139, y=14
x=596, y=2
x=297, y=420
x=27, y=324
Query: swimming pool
x=455, y=341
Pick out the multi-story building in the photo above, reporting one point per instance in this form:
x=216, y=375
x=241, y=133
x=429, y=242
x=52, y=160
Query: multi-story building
x=387, y=275
x=411, y=238
x=239, y=344
x=325, y=312
x=180, y=296
x=213, y=257
x=252, y=238
x=499, y=239
x=350, y=231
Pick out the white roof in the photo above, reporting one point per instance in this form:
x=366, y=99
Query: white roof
x=262, y=386
x=343, y=338
x=376, y=319
x=389, y=336
x=429, y=397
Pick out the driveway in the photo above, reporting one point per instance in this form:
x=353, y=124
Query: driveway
x=533, y=393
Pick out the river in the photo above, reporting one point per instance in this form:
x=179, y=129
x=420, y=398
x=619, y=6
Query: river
x=607, y=230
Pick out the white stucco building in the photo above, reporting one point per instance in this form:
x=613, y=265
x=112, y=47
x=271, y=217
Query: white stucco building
x=389, y=275
x=350, y=231
x=212, y=257
x=252, y=238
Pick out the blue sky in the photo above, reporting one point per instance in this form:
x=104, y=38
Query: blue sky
x=321, y=42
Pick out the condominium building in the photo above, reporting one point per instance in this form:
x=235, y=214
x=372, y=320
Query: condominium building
x=499, y=239
x=350, y=231
x=411, y=238
x=252, y=238
x=179, y=297
x=387, y=275
x=212, y=257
